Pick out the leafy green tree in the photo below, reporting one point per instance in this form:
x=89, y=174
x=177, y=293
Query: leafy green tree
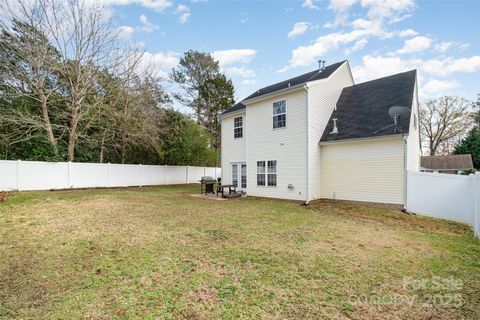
x=185, y=142
x=471, y=143
x=194, y=69
x=218, y=93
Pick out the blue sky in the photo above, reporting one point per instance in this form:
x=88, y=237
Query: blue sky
x=261, y=42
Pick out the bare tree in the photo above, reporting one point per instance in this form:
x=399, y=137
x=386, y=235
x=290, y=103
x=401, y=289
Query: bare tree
x=443, y=122
x=29, y=62
x=88, y=46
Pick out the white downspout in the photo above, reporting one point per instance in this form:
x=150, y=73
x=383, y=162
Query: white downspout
x=308, y=146
x=405, y=172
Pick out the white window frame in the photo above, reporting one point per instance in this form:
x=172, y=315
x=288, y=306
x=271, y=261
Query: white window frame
x=236, y=127
x=274, y=115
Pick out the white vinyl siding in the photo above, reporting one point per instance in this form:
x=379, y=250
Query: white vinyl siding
x=322, y=97
x=413, y=140
x=287, y=146
x=368, y=170
x=233, y=150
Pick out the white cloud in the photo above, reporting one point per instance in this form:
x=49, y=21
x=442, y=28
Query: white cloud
x=359, y=44
x=230, y=56
x=374, y=67
x=249, y=82
x=407, y=33
x=310, y=4
x=239, y=71
x=306, y=55
x=447, y=66
x=147, y=26
x=160, y=62
x=158, y=5
x=435, y=86
x=125, y=32
x=417, y=44
x=298, y=29
x=183, y=13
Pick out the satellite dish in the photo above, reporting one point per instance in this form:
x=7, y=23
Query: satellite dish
x=396, y=113
x=399, y=111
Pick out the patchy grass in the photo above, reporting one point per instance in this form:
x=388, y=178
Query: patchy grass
x=158, y=253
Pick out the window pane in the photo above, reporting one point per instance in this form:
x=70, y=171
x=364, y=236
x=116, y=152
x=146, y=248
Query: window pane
x=235, y=175
x=260, y=179
x=272, y=166
x=244, y=175
x=260, y=166
x=272, y=179
x=279, y=121
x=237, y=122
x=238, y=132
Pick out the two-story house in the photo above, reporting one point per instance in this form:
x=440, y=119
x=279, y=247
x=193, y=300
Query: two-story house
x=319, y=135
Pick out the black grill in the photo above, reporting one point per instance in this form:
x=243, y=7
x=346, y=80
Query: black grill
x=207, y=185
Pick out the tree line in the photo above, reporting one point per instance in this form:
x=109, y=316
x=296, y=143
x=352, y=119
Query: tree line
x=451, y=125
x=71, y=90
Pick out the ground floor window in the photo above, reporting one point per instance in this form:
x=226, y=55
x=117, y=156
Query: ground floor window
x=272, y=173
x=260, y=173
x=267, y=173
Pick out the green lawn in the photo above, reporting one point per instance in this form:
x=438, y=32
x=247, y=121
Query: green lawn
x=159, y=253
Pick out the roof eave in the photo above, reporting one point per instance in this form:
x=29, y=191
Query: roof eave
x=233, y=113
x=272, y=94
x=364, y=139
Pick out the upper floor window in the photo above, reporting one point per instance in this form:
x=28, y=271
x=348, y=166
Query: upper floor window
x=280, y=114
x=238, y=127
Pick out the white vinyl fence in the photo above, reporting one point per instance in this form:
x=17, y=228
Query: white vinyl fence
x=448, y=196
x=38, y=175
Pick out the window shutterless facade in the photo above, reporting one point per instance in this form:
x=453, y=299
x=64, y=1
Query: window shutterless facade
x=280, y=114
x=238, y=127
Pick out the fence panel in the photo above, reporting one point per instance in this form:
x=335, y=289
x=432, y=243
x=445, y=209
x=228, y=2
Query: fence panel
x=439, y=195
x=8, y=175
x=195, y=174
x=88, y=175
x=37, y=175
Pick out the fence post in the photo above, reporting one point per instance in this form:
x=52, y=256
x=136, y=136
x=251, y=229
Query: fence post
x=165, y=174
x=187, y=175
x=108, y=175
x=204, y=171
x=140, y=167
x=68, y=175
x=476, y=199
x=18, y=174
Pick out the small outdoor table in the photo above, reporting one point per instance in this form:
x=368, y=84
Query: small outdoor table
x=221, y=188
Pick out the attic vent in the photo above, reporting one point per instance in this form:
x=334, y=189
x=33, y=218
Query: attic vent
x=335, y=129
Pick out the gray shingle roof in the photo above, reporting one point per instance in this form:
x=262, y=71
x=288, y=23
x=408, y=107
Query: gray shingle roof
x=304, y=78
x=362, y=109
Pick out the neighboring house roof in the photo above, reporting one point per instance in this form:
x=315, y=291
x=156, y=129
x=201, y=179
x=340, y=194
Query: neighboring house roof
x=452, y=162
x=362, y=109
x=292, y=82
